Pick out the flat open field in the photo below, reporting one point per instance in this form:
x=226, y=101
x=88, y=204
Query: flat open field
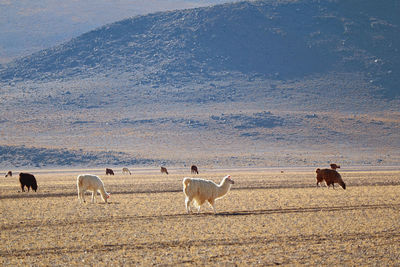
x=268, y=218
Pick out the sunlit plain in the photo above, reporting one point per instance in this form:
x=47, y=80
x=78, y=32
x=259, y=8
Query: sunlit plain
x=267, y=218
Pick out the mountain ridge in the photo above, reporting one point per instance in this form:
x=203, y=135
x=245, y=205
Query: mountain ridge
x=278, y=40
x=32, y=26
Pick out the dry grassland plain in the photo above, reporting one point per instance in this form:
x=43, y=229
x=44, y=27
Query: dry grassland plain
x=268, y=218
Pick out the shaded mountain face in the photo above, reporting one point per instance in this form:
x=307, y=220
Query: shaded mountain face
x=281, y=40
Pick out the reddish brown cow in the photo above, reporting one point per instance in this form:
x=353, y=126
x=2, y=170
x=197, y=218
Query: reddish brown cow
x=330, y=177
x=194, y=169
x=164, y=170
x=334, y=166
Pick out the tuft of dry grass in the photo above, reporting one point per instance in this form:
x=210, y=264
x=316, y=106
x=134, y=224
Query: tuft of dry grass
x=267, y=218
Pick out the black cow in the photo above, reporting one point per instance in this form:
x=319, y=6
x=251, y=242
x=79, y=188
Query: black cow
x=9, y=174
x=28, y=180
x=109, y=171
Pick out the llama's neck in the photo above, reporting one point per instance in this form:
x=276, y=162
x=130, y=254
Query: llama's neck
x=223, y=188
x=103, y=193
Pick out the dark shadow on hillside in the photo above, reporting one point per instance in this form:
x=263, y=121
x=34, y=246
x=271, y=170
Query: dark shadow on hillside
x=39, y=157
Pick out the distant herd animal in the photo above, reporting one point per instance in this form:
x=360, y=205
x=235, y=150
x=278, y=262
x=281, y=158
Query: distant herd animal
x=126, y=171
x=195, y=189
x=334, y=166
x=194, y=169
x=89, y=182
x=164, y=170
x=28, y=180
x=330, y=176
x=109, y=171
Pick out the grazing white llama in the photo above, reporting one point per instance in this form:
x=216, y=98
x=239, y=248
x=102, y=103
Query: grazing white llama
x=89, y=182
x=201, y=190
x=126, y=171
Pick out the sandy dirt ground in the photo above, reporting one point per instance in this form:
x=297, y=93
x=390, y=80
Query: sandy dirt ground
x=268, y=218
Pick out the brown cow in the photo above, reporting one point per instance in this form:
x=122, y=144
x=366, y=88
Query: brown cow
x=330, y=177
x=334, y=166
x=164, y=170
x=194, y=169
x=109, y=171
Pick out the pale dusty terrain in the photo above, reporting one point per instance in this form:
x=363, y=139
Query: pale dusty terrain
x=268, y=218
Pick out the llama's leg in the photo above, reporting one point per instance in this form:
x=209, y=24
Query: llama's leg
x=82, y=195
x=79, y=196
x=93, y=193
x=212, y=203
x=187, y=204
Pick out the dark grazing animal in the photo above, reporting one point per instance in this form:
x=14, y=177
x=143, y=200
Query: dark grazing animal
x=109, y=171
x=330, y=177
x=194, y=169
x=334, y=166
x=164, y=170
x=28, y=180
x=9, y=173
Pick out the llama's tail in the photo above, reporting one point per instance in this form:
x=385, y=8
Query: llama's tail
x=80, y=183
x=186, y=181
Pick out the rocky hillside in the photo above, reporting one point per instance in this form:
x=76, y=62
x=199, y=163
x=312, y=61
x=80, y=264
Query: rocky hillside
x=244, y=80
x=285, y=39
x=30, y=26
